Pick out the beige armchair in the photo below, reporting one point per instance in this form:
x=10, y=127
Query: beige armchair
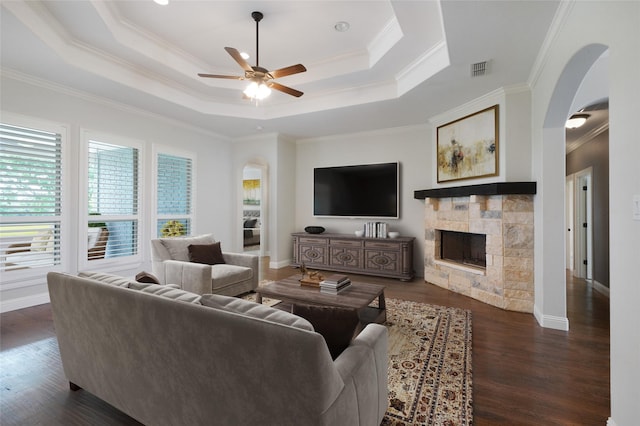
x=170, y=264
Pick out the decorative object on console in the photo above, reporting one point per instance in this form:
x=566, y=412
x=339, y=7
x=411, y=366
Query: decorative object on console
x=376, y=229
x=468, y=147
x=359, y=233
x=314, y=229
x=394, y=234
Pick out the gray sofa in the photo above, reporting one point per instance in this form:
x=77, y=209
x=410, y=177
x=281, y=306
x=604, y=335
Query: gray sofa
x=170, y=264
x=159, y=355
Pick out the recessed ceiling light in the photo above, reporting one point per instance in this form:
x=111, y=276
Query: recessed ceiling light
x=244, y=55
x=162, y=2
x=342, y=26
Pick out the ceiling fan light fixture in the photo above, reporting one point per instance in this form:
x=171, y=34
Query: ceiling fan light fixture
x=257, y=90
x=244, y=55
x=576, y=121
x=161, y=2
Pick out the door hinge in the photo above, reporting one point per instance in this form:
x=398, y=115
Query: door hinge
x=584, y=225
x=584, y=262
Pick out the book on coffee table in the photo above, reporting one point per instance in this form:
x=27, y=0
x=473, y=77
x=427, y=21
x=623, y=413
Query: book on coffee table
x=331, y=289
x=334, y=280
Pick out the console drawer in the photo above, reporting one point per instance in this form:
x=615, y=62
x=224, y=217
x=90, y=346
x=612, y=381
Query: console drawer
x=381, y=245
x=312, y=240
x=345, y=243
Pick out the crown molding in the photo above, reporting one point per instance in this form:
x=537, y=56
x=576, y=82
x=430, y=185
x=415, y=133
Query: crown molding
x=559, y=19
x=587, y=137
x=89, y=97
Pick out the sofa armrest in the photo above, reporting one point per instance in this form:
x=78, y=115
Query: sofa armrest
x=241, y=259
x=193, y=277
x=375, y=337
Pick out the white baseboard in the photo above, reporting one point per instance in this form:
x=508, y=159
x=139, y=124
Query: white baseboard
x=24, y=302
x=600, y=288
x=551, y=321
x=610, y=422
x=281, y=264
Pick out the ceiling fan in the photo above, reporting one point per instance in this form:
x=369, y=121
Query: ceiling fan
x=261, y=78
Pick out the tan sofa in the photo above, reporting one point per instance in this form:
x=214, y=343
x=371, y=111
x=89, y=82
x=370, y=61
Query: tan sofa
x=160, y=356
x=170, y=263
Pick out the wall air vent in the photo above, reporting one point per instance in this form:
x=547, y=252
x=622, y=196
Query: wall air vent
x=479, y=69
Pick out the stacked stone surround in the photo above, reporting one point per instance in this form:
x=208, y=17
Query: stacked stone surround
x=507, y=222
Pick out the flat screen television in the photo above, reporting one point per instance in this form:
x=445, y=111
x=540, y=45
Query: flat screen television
x=366, y=190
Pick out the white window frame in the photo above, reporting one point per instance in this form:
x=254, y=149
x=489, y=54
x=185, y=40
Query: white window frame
x=162, y=149
x=29, y=276
x=121, y=262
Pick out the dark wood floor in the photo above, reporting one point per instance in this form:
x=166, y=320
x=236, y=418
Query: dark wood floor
x=522, y=374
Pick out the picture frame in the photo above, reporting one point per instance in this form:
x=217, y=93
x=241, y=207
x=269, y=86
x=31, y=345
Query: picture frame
x=467, y=148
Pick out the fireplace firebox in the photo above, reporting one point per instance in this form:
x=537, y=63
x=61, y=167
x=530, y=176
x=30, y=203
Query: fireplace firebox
x=463, y=248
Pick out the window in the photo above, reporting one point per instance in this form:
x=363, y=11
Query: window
x=174, y=195
x=30, y=197
x=112, y=200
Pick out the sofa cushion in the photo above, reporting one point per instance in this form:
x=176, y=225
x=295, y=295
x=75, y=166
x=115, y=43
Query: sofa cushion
x=337, y=325
x=116, y=280
x=166, y=291
x=254, y=310
x=178, y=247
x=223, y=275
x=211, y=254
x=146, y=277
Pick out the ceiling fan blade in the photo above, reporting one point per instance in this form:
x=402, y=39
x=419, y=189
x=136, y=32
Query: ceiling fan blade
x=293, y=69
x=233, y=77
x=285, y=89
x=239, y=59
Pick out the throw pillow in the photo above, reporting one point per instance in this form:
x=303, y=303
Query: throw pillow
x=254, y=310
x=211, y=254
x=336, y=325
x=146, y=277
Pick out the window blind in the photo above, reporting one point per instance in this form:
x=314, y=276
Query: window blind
x=113, y=178
x=30, y=197
x=174, y=195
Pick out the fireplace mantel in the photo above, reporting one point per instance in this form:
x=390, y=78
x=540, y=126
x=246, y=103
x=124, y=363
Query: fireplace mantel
x=498, y=188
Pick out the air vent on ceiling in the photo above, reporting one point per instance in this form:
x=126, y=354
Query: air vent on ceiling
x=479, y=69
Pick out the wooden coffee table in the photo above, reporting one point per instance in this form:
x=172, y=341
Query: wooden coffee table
x=357, y=296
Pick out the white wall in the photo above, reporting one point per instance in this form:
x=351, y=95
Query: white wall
x=76, y=112
x=576, y=42
x=411, y=146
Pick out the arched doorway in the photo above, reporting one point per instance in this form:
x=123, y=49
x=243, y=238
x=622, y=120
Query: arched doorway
x=254, y=211
x=551, y=300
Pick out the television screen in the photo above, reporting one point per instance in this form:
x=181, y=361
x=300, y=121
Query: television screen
x=367, y=190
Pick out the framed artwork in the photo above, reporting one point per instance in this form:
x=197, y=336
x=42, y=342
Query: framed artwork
x=467, y=148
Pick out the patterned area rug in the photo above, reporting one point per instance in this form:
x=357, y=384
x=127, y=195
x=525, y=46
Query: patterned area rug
x=430, y=370
x=429, y=365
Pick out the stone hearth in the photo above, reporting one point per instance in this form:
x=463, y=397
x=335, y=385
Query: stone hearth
x=507, y=222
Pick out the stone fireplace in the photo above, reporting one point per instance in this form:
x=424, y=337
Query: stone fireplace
x=497, y=218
